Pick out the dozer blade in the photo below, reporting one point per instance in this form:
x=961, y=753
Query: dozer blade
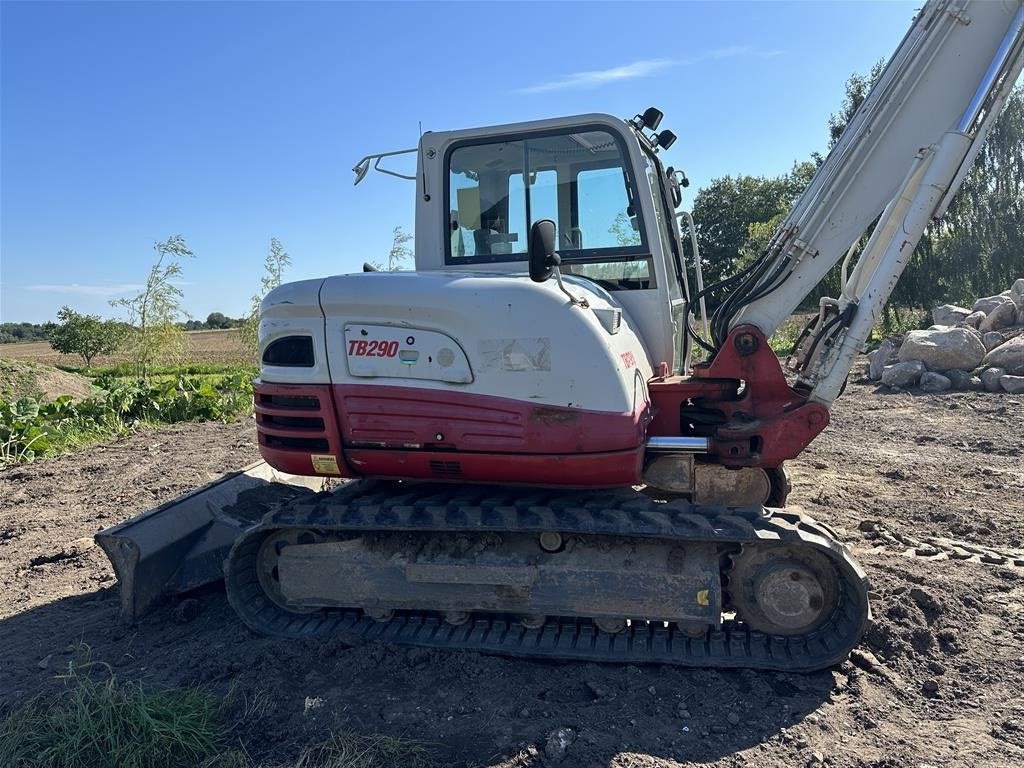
x=181, y=545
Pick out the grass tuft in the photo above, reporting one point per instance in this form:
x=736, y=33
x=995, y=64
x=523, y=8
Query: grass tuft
x=353, y=751
x=111, y=724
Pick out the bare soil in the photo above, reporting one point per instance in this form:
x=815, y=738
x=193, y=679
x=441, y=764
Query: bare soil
x=910, y=482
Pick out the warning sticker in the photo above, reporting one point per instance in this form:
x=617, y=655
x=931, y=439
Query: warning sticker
x=325, y=464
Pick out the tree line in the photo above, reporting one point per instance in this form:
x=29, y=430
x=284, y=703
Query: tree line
x=977, y=249
x=12, y=333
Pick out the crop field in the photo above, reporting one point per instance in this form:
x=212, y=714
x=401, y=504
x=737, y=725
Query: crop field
x=205, y=347
x=925, y=490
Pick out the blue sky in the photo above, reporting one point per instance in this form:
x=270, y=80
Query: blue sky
x=124, y=123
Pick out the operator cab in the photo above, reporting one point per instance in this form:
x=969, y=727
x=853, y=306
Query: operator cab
x=578, y=179
x=596, y=176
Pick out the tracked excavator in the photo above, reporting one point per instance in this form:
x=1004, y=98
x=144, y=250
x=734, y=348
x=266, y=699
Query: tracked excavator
x=522, y=450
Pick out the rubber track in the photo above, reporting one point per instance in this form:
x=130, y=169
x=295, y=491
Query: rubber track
x=478, y=509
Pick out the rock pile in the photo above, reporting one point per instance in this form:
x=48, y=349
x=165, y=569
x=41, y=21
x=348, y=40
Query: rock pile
x=981, y=348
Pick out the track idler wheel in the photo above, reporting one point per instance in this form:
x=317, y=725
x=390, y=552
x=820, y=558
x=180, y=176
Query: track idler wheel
x=266, y=564
x=783, y=590
x=611, y=626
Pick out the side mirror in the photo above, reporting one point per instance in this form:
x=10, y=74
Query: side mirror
x=541, y=250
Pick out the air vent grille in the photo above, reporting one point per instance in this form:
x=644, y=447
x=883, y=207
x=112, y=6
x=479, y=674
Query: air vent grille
x=446, y=468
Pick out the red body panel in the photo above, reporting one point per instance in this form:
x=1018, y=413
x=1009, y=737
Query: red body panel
x=740, y=400
x=400, y=417
x=295, y=422
x=414, y=433
x=578, y=470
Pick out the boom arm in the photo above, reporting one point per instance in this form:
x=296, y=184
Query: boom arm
x=904, y=155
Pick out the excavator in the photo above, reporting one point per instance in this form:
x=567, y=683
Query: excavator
x=531, y=445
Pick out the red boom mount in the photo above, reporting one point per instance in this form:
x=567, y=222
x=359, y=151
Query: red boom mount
x=742, y=402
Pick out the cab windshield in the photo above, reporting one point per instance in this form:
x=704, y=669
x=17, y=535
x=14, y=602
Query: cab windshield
x=580, y=180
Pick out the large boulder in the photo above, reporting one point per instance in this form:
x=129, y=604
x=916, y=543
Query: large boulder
x=886, y=354
x=962, y=380
x=990, y=378
x=974, y=319
x=949, y=314
x=903, y=375
x=1012, y=384
x=934, y=382
x=943, y=349
x=991, y=340
x=1017, y=292
x=1009, y=356
x=1002, y=316
x=989, y=303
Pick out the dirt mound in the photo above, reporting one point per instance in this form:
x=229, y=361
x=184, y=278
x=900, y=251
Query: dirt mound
x=21, y=379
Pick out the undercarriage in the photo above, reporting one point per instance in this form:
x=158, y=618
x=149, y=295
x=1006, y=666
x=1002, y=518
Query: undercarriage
x=591, y=575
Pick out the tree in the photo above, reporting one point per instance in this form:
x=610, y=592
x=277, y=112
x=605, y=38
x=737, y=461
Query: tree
x=624, y=231
x=85, y=335
x=725, y=210
x=217, y=320
x=977, y=249
x=857, y=88
x=274, y=265
x=155, y=310
x=400, y=252
x=14, y=332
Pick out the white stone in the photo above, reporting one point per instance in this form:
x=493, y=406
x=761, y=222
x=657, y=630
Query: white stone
x=974, y=319
x=990, y=378
x=934, y=382
x=1002, y=316
x=886, y=354
x=1009, y=356
x=991, y=340
x=941, y=350
x=963, y=380
x=1017, y=292
x=557, y=744
x=1012, y=384
x=903, y=375
x=989, y=303
x=949, y=314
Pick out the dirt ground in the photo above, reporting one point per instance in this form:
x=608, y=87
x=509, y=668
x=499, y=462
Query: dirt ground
x=937, y=681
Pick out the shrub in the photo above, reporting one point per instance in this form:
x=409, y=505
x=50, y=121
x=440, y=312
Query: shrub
x=29, y=428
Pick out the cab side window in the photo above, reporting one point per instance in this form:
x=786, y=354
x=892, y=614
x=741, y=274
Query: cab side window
x=496, y=190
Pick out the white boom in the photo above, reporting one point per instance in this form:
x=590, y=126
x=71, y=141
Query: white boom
x=904, y=155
